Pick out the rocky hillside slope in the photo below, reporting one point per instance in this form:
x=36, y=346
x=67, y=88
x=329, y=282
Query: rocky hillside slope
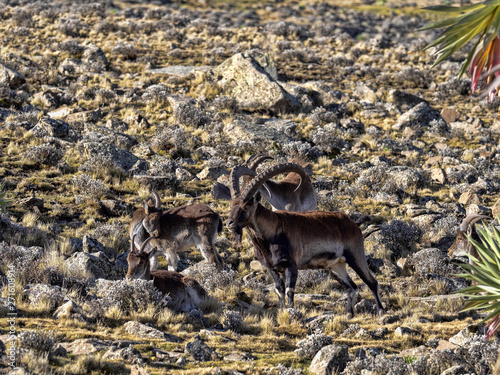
x=102, y=101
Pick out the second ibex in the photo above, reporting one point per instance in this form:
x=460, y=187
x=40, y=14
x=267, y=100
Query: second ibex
x=285, y=242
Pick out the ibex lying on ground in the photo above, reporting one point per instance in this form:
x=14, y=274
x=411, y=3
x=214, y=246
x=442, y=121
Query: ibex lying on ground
x=293, y=193
x=186, y=293
x=285, y=242
x=177, y=229
x=462, y=246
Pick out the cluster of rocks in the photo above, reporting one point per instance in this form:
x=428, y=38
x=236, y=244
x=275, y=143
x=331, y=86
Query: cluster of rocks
x=351, y=87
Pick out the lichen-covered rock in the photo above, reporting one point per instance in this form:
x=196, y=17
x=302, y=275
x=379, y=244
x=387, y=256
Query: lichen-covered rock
x=11, y=78
x=331, y=359
x=82, y=264
x=378, y=364
x=44, y=294
x=200, y=351
x=147, y=332
x=308, y=347
x=51, y=127
x=432, y=260
x=95, y=57
x=418, y=117
x=128, y=354
x=244, y=79
x=119, y=157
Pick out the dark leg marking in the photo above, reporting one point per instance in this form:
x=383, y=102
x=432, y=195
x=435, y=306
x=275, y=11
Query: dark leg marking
x=291, y=279
x=279, y=286
x=361, y=268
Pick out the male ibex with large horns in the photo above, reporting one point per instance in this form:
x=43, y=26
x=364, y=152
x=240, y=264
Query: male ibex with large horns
x=285, y=242
x=185, y=292
x=177, y=229
x=293, y=193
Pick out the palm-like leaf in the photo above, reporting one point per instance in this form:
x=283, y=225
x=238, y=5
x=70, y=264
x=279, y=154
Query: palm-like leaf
x=485, y=272
x=466, y=23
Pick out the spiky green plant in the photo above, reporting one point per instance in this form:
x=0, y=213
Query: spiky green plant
x=484, y=293
x=4, y=202
x=466, y=23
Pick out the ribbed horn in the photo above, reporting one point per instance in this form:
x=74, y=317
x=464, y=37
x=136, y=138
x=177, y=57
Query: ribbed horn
x=143, y=246
x=132, y=244
x=256, y=159
x=236, y=173
x=157, y=199
x=252, y=188
x=471, y=219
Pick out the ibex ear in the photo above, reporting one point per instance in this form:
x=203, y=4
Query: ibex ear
x=221, y=191
x=146, y=208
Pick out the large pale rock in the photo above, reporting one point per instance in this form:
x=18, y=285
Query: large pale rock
x=331, y=359
x=244, y=79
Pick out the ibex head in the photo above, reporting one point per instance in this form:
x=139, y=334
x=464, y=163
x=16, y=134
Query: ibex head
x=244, y=204
x=138, y=261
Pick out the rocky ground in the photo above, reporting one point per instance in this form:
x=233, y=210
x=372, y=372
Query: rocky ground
x=100, y=101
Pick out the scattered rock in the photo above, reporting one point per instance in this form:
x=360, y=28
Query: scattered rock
x=200, y=351
x=11, y=78
x=87, y=265
x=331, y=359
x=85, y=346
x=146, y=332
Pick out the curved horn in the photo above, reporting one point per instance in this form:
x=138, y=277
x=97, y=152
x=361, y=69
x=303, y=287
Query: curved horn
x=157, y=199
x=132, y=244
x=272, y=171
x=256, y=159
x=236, y=173
x=471, y=219
x=144, y=244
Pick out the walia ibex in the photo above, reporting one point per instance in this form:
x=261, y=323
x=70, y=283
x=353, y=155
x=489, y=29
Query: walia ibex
x=177, y=229
x=285, y=242
x=185, y=292
x=462, y=246
x=293, y=193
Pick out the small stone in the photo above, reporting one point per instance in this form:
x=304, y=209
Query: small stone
x=450, y=114
x=400, y=331
x=438, y=176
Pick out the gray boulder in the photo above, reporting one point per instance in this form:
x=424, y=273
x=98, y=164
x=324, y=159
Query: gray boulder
x=11, y=78
x=243, y=78
x=44, y=293
x=95, y=57
x=87, y=265
x=432, y=260
x=119, y=157
x=308, y=347
x=51, y=127
x=200, y=351
x=418, y=117
x=331, y=359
